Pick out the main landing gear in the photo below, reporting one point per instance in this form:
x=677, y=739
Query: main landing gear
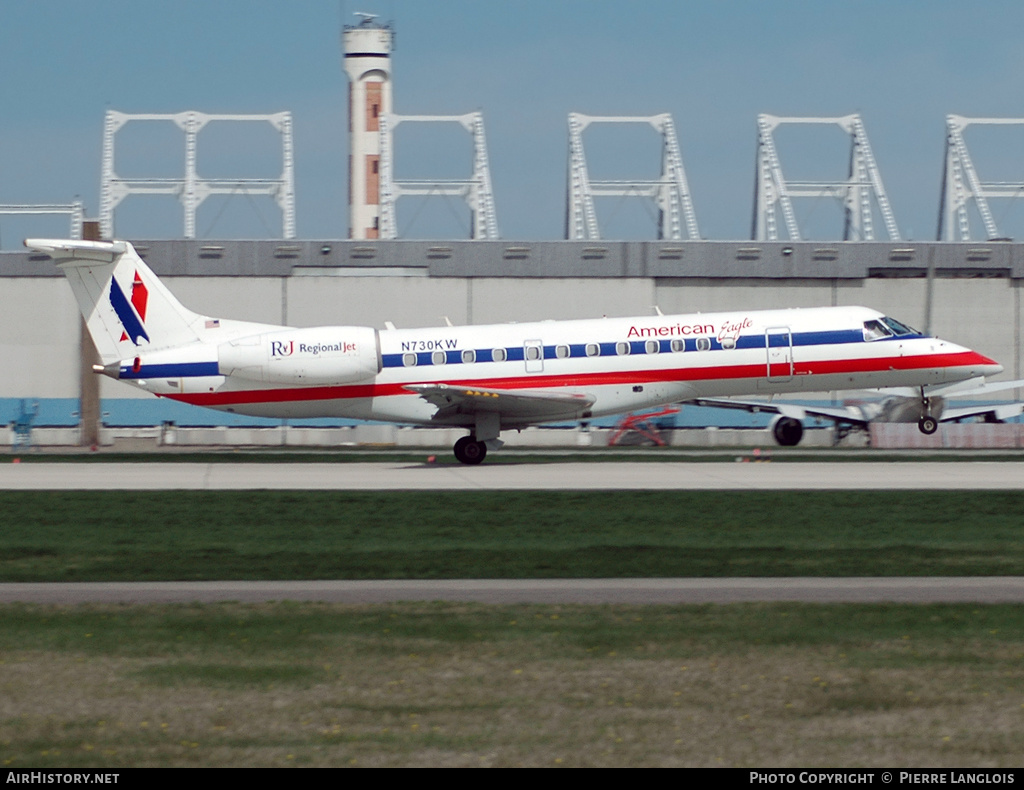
x=469, y=451
x=472, y=449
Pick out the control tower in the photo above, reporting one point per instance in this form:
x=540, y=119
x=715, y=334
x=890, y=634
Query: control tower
x=367, y=48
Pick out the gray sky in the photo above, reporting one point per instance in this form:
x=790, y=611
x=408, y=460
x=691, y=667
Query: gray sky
x=526, y=65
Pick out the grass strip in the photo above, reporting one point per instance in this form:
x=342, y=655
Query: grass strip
x=186, y=535
x=772, y=685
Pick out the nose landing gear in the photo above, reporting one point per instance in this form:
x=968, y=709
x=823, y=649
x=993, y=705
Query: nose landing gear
x=927, y=424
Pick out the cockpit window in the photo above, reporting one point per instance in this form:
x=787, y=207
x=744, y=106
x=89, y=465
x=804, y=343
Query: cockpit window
x=898, y=327
x=887, y=327
x=876, y=330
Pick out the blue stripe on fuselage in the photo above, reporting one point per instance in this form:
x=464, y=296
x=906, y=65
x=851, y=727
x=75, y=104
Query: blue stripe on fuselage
x=637, y=347
x=171, y=370
x=516, y=353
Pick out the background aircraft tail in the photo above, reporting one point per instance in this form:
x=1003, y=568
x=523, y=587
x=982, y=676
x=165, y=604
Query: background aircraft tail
x=126, y=307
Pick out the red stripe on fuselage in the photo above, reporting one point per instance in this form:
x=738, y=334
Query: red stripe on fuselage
x=819, y=367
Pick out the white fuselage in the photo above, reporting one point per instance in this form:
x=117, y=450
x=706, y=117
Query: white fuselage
x=622, y=364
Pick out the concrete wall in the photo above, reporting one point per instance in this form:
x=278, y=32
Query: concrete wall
x=370, y=301
x=566, y=259
x=39, y=328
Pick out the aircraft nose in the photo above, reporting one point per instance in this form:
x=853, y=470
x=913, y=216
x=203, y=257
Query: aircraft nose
x=984, y=365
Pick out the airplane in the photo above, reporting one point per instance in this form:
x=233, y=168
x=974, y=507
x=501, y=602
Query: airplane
x=485, y=379
x=898, y=406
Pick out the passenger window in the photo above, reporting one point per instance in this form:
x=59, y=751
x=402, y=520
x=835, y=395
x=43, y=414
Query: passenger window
x=498, y=355
x=469, y=356
x=439, y=358
x=561, y=352
x=593, y=350
x=652, y=347
x=678, y=345
x=621, y=348
x=409, y=360
x=728, y=342
x=533, y=352
x=703, y=343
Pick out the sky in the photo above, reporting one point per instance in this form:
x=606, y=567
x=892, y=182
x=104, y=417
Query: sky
x=714, y=65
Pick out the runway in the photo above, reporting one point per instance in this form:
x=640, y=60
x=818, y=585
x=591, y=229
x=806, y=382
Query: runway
x=673, y=475
x=652, y=475
x=979, y=590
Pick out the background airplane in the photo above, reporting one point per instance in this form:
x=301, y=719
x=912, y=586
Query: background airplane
x=898, y=406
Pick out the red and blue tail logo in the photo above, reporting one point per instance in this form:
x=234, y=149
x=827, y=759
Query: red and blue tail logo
x=132, y=314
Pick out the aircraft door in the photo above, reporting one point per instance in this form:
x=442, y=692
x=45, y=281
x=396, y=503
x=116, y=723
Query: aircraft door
x=533, y=353
x=779, y=345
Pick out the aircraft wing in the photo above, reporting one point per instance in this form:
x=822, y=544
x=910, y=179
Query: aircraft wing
x=959, y=389
x=979, y=388
x=992, y=412
x=997, y=412
x=455, y=403
x=844, y=414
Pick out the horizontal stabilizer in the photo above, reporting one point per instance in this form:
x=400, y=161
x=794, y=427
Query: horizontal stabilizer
x=71, y=252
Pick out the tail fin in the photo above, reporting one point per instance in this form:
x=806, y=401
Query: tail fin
x=125, y=306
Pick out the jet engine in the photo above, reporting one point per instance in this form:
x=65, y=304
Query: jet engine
x=316, y=356
x=788, y=431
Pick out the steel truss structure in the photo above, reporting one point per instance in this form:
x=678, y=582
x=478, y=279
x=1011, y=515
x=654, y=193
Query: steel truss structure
x=75, y=210
x=476, y=190
x=191, y=189
x=773, y=192
x=961, y=185
x=670, y=192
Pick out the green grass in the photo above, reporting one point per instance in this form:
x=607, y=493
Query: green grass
x=287, y=633
x=179, y=535
x=287, y=684
x=779, y=685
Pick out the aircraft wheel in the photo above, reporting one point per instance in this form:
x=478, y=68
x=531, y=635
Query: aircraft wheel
x=469, y=451
x=788, y=432
x=928, y=425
